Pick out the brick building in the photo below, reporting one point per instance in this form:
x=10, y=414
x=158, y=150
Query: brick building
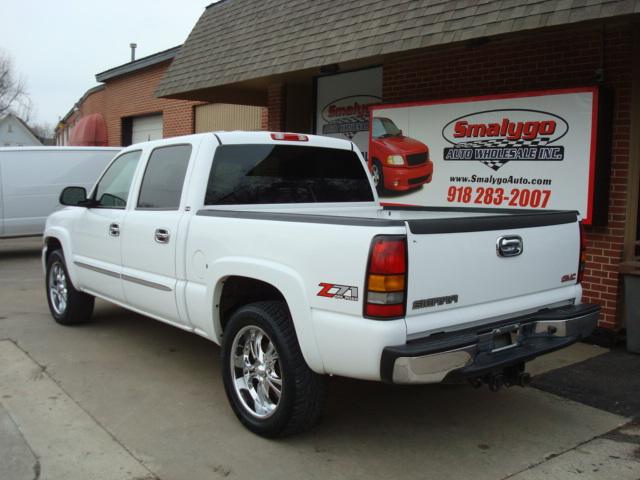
x=434, y=51
x=126, y=107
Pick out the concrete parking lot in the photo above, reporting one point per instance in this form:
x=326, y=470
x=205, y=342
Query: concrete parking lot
x=125, y=397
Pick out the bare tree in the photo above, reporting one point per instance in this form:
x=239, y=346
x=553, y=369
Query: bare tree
x=13, y=94
x=44, y=131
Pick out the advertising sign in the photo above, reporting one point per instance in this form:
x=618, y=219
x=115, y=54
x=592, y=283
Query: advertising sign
x=531, y=150
x=343, y=102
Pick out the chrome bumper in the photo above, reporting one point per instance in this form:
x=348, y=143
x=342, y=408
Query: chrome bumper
x=488, y=348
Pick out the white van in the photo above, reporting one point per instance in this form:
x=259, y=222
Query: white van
x=31, y=179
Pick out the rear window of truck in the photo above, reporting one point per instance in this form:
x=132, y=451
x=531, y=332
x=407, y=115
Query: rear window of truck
x=258, y=174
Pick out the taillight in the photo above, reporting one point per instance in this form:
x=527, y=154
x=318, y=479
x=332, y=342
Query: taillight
x=290, y=137
x=386, y=282
x=583, y=254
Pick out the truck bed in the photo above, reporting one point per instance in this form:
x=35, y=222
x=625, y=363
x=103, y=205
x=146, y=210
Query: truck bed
x=456, y=279
x=419, y=219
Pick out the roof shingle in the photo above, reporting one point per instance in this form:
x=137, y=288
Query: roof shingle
x=238, y=40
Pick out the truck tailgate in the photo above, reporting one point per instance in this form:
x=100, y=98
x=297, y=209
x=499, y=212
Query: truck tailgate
x=457, y=274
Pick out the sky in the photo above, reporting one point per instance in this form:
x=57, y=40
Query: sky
x=59, y=46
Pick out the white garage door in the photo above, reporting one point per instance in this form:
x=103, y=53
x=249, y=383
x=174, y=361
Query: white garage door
x=146, y=128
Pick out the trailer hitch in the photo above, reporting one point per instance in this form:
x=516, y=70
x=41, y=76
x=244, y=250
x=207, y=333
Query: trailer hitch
x=508, y=377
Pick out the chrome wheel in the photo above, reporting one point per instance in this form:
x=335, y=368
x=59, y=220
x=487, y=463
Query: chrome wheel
x=256, y=372
x=58, y=293
x=375, y=173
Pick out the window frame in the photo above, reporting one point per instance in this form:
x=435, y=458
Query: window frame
x=94, y=192
x=363, y=163
x=184, y=181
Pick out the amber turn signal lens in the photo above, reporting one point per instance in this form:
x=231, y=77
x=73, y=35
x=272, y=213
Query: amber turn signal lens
x=386, y=283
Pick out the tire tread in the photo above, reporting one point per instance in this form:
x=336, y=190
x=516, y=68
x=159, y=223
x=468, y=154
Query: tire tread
x=79, y=304
x=310, y=392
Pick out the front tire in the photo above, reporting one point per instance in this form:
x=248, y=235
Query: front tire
x=272, y=390
x=378, y=176
x=67, y=305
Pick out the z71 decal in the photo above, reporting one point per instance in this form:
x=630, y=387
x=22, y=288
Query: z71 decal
x=341, y=292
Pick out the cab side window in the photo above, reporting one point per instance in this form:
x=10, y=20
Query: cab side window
x=113, y=188
x=377, y=130
x=163, y=179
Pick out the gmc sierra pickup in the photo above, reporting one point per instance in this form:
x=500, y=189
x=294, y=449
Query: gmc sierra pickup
x=275, y=246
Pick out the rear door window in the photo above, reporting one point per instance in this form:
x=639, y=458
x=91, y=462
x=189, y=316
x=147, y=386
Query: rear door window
x=265, y=173
x=163, y=179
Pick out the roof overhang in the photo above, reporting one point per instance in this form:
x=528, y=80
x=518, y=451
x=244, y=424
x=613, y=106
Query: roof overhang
x=237, y=44
x=254, y=92
x=139, y=64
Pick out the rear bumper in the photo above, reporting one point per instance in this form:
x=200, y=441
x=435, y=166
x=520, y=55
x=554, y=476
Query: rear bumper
x=475, y=352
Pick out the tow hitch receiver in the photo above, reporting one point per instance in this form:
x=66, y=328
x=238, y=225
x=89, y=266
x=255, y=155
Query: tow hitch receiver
x=508, y=377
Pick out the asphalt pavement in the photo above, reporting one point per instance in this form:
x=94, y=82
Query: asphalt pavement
x=609, y=382
x=126, y=397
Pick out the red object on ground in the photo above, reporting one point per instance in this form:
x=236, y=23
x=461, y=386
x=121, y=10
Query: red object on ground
x=90, y=131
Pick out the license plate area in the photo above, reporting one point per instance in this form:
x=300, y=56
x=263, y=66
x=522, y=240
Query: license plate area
x=501, y=338
x=504, y=338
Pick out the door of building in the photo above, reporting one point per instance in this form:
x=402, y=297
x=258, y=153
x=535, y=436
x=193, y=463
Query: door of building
x=146, y=128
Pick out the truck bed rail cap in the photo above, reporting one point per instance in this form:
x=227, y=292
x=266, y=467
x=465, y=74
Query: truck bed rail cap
x=492, y=222
x=303, y=218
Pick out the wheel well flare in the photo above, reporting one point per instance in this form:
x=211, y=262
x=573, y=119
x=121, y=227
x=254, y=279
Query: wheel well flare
x=238, y=291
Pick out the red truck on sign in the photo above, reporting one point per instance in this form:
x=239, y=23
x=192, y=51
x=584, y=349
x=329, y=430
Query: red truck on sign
x=397, y=162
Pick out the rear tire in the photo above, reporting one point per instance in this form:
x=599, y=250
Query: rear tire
x=272, y=390
x=67, y=305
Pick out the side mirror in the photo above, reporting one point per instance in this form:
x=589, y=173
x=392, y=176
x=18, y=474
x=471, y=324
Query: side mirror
x=73, y=196
x=400, y=134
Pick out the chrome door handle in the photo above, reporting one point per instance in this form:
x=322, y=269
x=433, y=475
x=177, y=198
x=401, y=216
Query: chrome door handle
x=114, y=230
x=162, y=235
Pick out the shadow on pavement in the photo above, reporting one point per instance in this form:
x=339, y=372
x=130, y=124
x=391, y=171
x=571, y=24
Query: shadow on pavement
x=609, y=382
x=17, y=254
x=17, y=248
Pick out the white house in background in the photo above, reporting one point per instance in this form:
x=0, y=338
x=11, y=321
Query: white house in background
x=15, y=133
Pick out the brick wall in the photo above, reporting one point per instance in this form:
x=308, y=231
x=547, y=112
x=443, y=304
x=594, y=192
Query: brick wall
x=134, y=95
x=94, y=103
x=277, y=107
x=558, y=58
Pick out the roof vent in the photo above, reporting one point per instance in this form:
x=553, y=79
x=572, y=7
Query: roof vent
x=133, y=50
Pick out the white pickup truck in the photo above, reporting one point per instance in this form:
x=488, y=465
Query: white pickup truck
x=276, y=247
